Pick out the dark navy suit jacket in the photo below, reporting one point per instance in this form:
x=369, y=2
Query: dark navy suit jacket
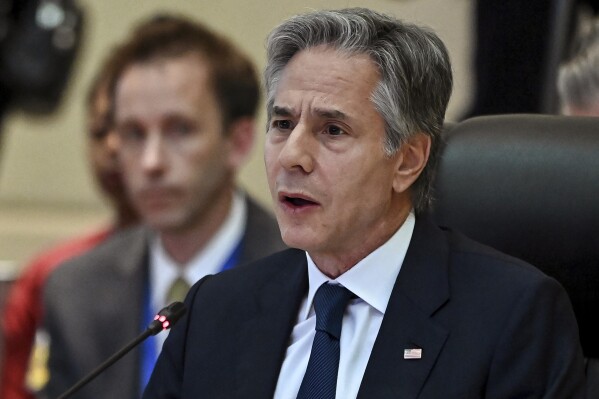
x=489, y=326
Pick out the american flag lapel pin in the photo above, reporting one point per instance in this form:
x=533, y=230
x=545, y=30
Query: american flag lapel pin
x=412, y=353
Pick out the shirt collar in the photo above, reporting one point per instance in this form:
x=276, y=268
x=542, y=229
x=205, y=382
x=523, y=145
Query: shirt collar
x=209, y=260
x=372, y=279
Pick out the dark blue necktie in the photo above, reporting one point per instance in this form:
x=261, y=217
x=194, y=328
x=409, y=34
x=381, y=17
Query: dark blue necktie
x=320, y=380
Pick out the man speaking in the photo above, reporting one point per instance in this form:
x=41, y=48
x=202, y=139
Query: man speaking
x=376, y=301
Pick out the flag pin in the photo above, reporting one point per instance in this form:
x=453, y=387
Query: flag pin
x=412, y=353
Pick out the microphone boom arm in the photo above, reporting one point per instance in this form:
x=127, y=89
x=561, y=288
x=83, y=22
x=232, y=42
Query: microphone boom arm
x=164, y=320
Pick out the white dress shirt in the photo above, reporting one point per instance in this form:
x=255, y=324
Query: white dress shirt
x=210, y=260
x=372, y=280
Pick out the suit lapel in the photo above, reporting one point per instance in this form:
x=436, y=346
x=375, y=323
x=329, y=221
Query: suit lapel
x=130, y=268
x=264, y=337
x=420, y=290
x=123, y=301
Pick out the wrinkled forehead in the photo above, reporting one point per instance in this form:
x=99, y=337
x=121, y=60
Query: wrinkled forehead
x=326, y=76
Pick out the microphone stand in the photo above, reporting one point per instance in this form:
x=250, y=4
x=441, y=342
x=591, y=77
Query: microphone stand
x=164, y=320
x=106, y=364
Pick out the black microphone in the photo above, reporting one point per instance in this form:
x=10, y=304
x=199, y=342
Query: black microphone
x=164, y=320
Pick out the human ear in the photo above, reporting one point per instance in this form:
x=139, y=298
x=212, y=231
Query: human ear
x=240, y=137
x=411, y=160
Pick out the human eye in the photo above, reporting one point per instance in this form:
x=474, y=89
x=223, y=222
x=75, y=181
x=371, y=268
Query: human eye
x=131, y=133
x=99, y=128
x=334, y=130
x=179, y=128
x=282, y=124
x=98, y=133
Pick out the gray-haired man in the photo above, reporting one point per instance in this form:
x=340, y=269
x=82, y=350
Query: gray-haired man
x=377, y=302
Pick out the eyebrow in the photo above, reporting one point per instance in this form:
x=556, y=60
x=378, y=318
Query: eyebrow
x=323, y=113
x=281, y=111
x=330, y=113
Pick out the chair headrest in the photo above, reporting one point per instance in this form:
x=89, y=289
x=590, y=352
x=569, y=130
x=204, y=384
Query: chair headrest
x=528, y=185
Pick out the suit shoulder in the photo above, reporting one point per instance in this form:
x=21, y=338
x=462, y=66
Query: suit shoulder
x=481, y=261
x=105, y=258
x=259, y=272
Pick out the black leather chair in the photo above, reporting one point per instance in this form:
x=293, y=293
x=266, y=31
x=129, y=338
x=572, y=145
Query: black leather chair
x=528, y=185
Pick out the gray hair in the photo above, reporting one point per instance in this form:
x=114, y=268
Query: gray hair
x=413, y=63
x=578, y=76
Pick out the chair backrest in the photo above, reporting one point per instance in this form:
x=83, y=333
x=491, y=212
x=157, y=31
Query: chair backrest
x=528, y=185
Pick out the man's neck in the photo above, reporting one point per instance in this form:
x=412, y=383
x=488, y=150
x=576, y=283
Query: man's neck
x=183, y=244
x=336, y=262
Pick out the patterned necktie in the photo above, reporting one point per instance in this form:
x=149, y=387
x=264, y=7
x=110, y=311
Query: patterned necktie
x=320, y=380
x=177, y=291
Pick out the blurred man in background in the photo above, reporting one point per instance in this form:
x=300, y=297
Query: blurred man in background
x=578, y=78
x=185, y=101
x=23, y=310
x=517, y=48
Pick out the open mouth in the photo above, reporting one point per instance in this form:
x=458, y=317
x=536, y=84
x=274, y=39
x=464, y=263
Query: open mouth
x=295, y=201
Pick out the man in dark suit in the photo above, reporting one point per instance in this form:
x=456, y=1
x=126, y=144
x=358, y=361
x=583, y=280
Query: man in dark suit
x=375, y=302
x=184, y=107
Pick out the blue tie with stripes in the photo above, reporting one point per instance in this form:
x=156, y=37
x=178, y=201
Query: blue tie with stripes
x=320, y=380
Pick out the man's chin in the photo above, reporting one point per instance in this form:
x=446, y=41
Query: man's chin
x=165, y=222
x=300, y=240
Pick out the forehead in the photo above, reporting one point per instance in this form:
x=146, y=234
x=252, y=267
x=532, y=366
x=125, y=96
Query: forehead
x=164, y=81
x=322, y=77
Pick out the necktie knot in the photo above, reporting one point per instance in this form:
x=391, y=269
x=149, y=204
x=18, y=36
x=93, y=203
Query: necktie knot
x=178, y=290
x=330, y=302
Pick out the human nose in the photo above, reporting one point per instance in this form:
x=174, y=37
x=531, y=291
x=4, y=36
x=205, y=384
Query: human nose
x=153, y=157
x=112, y=143
x=297, y=151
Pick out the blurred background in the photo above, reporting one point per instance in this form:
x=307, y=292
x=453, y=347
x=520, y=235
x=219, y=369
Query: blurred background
x=46, y=190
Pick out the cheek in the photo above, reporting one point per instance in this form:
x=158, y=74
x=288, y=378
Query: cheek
x=366, y=189
x=93, y=148
x=94, y=159
x=131, y=170
x=269, y=155
x=270, y=164
x=202, y=168
x=102, y=158
x=130, y=163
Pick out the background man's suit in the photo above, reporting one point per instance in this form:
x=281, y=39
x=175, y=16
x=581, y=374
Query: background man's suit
x=108, y=284
x=462, y=303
